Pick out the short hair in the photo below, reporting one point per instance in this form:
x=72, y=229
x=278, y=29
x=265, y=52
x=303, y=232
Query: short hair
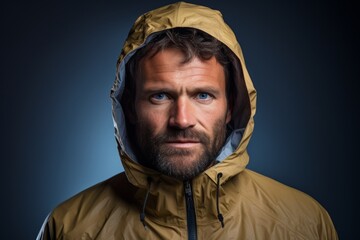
x=192, y=43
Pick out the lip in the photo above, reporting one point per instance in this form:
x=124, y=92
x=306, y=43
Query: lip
x=182, y=143
x=180, y=140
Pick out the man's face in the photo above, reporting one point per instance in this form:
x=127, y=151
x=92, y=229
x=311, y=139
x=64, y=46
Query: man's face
x=181, y=113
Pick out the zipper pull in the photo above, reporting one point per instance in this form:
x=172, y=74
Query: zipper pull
x=188, y=189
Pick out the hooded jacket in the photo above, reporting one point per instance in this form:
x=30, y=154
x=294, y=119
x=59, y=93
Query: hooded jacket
x=227, y=201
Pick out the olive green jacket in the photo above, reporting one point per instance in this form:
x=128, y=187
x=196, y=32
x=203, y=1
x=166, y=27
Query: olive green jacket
x=227, y=201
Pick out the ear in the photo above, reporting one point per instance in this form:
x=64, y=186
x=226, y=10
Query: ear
x=228, y=114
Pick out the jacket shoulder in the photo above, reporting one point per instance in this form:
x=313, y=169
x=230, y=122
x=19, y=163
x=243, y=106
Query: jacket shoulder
x=107, y=190
x=276, y=192
x=285, y=205
x=88, y=210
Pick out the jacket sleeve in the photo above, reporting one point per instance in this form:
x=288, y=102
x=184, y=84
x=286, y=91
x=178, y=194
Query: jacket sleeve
x=326, y=227
x=46, y=232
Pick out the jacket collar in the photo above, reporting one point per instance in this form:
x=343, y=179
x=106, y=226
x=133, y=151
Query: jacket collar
x=166, y=199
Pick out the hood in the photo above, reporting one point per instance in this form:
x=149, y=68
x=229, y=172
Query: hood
x=233, y=157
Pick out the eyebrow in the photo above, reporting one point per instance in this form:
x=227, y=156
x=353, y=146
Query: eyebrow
x=208, y=89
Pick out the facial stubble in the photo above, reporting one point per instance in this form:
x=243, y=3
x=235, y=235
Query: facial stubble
x=179, y=163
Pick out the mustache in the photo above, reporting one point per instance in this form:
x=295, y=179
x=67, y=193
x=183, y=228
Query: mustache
x=175, y=134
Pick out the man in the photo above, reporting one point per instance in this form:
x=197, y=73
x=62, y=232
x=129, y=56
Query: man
x=183, y=108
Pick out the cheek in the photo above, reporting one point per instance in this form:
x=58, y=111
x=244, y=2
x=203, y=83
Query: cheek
x=149, y=118
x=210, y=116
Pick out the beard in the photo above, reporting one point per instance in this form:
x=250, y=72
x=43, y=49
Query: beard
x=180, y=163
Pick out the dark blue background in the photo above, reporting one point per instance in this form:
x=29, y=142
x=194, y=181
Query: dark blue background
x=58, y=65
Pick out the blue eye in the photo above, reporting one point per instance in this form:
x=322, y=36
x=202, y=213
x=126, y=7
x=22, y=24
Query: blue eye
x=159, y=96
x=203, y=96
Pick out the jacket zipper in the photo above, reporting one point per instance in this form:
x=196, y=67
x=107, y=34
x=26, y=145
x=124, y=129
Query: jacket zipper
x=190, y=211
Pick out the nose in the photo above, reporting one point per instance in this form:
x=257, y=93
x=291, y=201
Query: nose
x=182, y=114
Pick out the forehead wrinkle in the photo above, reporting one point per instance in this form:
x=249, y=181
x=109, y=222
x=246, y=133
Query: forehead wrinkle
x=166, y=70
x=182, y=72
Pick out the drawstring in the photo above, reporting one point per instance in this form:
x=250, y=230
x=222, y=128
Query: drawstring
x=142, y=214
x=220, y=216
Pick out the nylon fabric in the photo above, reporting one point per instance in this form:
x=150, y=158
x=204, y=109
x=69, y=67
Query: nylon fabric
x=252, y=205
